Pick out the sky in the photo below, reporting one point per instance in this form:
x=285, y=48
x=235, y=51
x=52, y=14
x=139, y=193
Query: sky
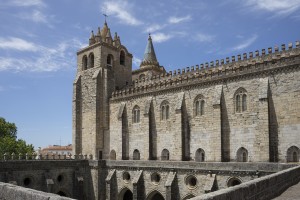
x=39, y=40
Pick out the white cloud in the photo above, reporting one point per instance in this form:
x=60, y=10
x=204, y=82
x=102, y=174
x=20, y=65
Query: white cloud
x=17, y=44
x=35, y=16
x=122, y=10
x=44, y=59
x=161, y=37
x=154, y=27
x=27, y=3
x=136, y=61
x=278, y=7
x=176, y=20
x=245, y=43
x=200, y=37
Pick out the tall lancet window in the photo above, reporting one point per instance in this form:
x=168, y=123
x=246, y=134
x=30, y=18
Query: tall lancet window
x=136, y=114
x=165, y=110
x=240, y=100
x=199, y=105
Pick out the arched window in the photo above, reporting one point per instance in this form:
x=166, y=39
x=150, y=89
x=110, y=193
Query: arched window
x=200, y=155
x=136, y=114
x=122, y=58
x=136, y=155
x=199, y=105
x=112, y=155
x=165, y=110
x=165, y=154
x=240, y=100
x=84, y=63
x=293, y=154
x=91, y=60
x=109, y=60
x=242, y=155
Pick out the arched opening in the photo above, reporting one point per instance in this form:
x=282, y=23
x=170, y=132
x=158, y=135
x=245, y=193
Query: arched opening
x=240, y=100
x=200, y=155
x=112, y=155
x=155, y=195
x=165, y=154
x=61, y=193
x=242, y=155
x=109, y=60
x=233, y=182
x=136, y=155
x=122, y=58
x=199, y=105
x=293, y=154
x=125, y=194
x=84, y=63
x=91, y=60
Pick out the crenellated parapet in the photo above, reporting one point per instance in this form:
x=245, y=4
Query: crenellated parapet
x=241, y=64
x=50, y=156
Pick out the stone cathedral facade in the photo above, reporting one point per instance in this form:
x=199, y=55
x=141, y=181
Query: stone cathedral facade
x=245, y=108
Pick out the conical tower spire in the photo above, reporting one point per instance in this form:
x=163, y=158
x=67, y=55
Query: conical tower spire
x=149, y=55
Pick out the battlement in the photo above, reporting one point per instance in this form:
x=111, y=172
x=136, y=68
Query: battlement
x=242, y=63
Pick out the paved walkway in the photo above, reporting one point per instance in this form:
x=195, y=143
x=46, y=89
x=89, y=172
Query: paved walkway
x=292, y=193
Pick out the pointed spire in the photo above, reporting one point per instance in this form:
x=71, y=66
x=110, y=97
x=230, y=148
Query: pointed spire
x=149, y=55
x=104, y=30
x=108, y=37
x=98, y=36
x=92, y=38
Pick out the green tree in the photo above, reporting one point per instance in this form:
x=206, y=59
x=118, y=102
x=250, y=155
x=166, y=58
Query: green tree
x=8, y=140
x=7, y=128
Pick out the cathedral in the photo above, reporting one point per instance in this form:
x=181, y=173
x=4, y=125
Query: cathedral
x=164, y=135
x=243, y=109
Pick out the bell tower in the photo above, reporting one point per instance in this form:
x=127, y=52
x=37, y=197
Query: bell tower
x=102, y=67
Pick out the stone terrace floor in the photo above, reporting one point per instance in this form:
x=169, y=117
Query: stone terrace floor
x=292, y=193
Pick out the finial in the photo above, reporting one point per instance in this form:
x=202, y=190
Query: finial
x=99, y=31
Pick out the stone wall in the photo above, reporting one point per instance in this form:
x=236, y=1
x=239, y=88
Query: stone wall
x=12, y=192
x=263, y=188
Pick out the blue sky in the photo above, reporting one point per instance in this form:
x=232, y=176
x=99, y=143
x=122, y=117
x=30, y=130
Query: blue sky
x=39, y=40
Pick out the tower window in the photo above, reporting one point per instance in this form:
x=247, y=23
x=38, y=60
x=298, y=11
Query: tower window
x=242, y=155
x=84, y=63
x=122, y=58
x=91, y=60
x=109, y=60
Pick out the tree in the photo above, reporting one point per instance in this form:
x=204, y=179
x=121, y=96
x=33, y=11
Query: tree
x=8, y=140
x=7, y=128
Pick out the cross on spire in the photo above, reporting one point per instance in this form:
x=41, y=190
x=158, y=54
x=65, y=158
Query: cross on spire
x=105, y=15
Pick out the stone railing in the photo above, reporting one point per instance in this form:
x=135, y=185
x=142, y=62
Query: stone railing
x=263, y=188
x=53, y=156
x=213, y=69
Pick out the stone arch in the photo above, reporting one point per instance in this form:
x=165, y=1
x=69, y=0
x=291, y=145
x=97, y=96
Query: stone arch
x=91, y=60
x=84, y=62
x=165, y=155
x=122, y=57
x=188, y=196
x=200, y=155
x=233, y=181
x=110, y=60
x=136, y=155
x=242, y=155
x=112, y=155
x=155, y=195
x=125, y=194
x=292, y=154
x=240, y=100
